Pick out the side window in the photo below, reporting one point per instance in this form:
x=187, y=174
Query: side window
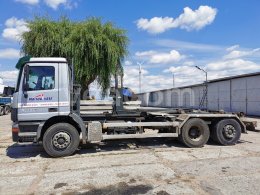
x=41, y=78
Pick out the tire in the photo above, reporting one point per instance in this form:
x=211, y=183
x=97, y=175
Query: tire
x=60, y=140
x=6, y=110
x=227, y=132
x=1, y=111
x=195, y=133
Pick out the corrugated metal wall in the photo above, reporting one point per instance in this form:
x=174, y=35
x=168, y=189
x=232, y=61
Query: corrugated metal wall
x=232, y=95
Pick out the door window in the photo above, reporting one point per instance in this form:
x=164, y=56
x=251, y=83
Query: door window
x=41, y=78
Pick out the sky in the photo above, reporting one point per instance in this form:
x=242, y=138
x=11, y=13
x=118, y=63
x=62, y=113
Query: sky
x=167, y=38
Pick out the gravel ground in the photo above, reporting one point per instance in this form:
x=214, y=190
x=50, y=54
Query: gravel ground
x=148, y=166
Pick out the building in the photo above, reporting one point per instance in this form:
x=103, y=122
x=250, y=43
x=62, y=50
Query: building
x=233, y=94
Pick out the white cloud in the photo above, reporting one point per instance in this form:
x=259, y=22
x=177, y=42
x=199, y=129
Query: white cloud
x=145, y=53
x=165, y=58
x=239, y=53
x=234, y=65
x=29, y=2
x=185, y=75
x=9, y=76
x=188, y=20
x=233, y=47
x=130, y=71
x=189, y=63
x=231, y=67
x=180, y=70
x=54, y=4
x=128, y=63
x=155, y=25
x=14, y=29
x=183, y=45
x=154, y=57
x=188, y=75
x=9, y=53
x=196, y=20
x=149, y=82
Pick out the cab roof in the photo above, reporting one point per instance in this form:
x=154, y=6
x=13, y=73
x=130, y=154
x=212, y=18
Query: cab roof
x=26, y=59
x=48, y=59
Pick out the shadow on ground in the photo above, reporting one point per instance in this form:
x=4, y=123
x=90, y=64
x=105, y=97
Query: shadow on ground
x=120, y=188
x=32, y=150
x=25, y=151
x=130, y=144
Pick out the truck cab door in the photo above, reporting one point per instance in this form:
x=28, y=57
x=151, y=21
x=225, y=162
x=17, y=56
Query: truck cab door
x=38, y=94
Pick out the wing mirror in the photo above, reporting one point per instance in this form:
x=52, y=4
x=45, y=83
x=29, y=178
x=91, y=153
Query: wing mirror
x=25, y=81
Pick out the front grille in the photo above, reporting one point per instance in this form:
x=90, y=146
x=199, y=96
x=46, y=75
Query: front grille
x=27, y=139
x=28, y=128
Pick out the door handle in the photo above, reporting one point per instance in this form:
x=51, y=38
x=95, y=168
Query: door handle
x=53, y=110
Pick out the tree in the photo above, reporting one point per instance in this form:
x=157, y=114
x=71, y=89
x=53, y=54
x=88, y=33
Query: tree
x=95, y=48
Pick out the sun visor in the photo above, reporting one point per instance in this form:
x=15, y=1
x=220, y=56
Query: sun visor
x=22, y=61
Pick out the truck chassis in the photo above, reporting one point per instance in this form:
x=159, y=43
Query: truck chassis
x=193, y=128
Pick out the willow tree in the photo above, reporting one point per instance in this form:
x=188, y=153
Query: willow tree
x=95, y=48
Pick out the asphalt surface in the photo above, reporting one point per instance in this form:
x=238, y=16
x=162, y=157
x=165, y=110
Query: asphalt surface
x=147, y=166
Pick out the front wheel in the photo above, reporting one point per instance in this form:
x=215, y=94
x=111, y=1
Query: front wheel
x=195, y=133
x=61, y=139
x=227, y=132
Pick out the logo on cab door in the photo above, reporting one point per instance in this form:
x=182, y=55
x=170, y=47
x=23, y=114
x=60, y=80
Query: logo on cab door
x=40, y=97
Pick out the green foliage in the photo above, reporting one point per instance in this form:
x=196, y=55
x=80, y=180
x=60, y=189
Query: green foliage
x=96, y=49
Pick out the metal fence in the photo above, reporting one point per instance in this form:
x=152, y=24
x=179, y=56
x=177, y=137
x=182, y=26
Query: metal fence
x=233, y=94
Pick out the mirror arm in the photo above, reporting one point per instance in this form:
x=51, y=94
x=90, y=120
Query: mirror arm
x=25, y=83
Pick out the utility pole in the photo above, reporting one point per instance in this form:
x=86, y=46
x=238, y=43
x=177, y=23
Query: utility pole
x=173, y=80
x=206, y=85
x=140, y=77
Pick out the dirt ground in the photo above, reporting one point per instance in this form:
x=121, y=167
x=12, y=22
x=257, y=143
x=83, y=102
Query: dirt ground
x=147, y=166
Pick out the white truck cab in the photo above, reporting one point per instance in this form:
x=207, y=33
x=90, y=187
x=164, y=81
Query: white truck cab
x=42, y=95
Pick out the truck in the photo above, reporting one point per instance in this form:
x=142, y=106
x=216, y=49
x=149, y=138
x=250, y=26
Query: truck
x=46, y=109
x=5, y=105
x=5, y=98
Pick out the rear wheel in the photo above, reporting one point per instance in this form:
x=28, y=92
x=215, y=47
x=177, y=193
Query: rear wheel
x=227, y=132
x=61, y=139
x=195, y=133
x=1, y=111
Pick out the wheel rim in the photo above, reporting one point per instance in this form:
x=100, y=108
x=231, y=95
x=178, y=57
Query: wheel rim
x=229, y=132
x=61, y=140
x=195, y=133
